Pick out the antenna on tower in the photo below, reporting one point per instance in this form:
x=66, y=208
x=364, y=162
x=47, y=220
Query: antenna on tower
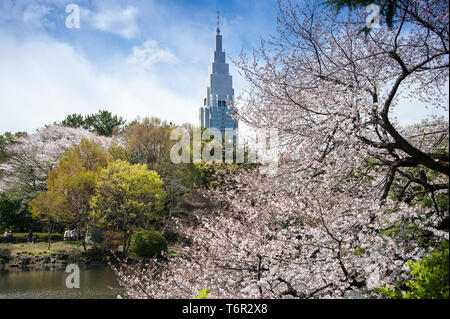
x=218, y=29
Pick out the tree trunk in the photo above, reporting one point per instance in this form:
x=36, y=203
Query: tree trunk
x=128, y=242
x=50, y=228
x=84, y=237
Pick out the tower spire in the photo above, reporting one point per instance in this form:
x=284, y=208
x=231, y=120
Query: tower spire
x=218, y=29
x=219, y=91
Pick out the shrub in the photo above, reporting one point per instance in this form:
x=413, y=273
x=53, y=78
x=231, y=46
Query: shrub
x=14, y=212
x=430, y=278
x=148, y=244
x=202, y=294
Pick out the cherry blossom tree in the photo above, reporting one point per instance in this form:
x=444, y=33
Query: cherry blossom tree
x=325, y=86
x=356, y=195
x=271, y=240
x=32, y=156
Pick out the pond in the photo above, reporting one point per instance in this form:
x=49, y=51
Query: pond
x=51, y=284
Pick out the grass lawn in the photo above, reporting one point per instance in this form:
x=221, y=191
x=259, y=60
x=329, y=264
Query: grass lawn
x=70, y=248
x=40, y=248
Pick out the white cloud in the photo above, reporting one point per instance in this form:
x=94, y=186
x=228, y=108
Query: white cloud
x=44, y=80
x=117, y=21
x=150, y=53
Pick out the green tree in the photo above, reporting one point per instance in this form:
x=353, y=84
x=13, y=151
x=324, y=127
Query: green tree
x=103, y=123
x=75, y=120
x=388, y=8
x=14, y=212
x=148, y=142
x=119, y=152
x=49, y=207
x=75, y=177
x=127, y=196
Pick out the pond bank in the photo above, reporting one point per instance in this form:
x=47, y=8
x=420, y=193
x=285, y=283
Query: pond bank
x=96, y=282
x=38, y=256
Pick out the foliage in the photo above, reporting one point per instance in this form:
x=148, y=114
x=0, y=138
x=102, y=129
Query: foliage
x=430, y=278
x=208, y=175
x=202, y=294
x=75, y=121
x=118, y=152
x=74, y=181
x=387, y=7
x=111, y=241
x=148, y=244
x=127, y=195
x=94, y=236
x=317, y=227
x=32, y=156
x=103, y=123
x=14, y=214
x=49, y=206
x=5, y=140
x=148, y=142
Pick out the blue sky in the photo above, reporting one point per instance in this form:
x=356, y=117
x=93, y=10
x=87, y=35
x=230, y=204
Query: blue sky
x=132, y=57
x=136, y=57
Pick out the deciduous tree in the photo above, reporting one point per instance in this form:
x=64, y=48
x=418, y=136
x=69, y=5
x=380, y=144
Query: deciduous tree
x=127, y=196
x=50, y=208
x=334, y=218
x=32, y=156
x=75, y=178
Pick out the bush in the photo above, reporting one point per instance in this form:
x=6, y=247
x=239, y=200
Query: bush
x=148, y=244
x=202, y=294
x=430, y=278
x=14, y=212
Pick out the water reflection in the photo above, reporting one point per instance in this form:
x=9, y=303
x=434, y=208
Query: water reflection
x=51, y=284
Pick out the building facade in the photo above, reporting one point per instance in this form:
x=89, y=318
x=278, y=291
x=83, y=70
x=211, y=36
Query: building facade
x=219, y=95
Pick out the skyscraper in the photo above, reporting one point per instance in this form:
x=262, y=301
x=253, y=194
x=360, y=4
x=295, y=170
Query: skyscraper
x=219, y=91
